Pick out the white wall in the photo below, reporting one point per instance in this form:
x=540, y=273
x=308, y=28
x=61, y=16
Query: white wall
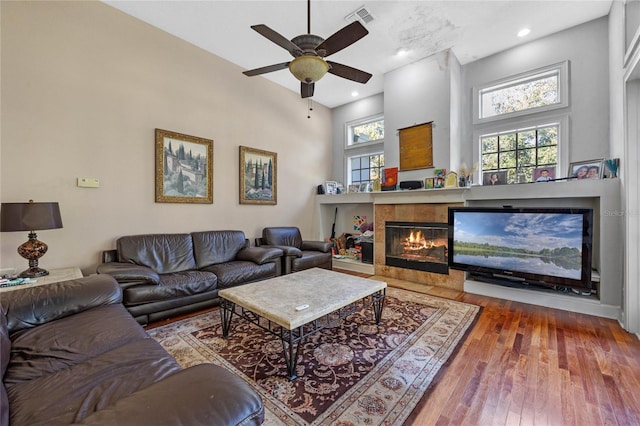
x=414, y=94
x=83, y=88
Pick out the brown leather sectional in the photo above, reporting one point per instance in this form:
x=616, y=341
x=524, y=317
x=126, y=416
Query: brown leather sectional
x=164, y=275
x=70, y=353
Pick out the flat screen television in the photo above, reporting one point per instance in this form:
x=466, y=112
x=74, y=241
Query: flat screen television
x=542, y=246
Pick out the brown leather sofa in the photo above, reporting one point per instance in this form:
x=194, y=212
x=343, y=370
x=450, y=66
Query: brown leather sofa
x=163, y=275
x=298, y=254
x=70, y=353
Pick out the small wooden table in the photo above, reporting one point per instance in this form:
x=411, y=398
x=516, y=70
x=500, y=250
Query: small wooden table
x=55, y=275
x=294, y=306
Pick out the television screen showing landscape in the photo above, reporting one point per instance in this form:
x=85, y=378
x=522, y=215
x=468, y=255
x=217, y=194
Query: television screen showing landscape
x=536, y=243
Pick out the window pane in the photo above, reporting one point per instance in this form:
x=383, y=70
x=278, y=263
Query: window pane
x=507, y=141
x=355, y=163
x=364, y=175
x=355, y=176
x=527, y=139
x=368, y=132
x=548, y=155
x=490, y=144
x=374, y=161
x=507, y=159
x=534, y=92
x=511, y=176
x=490, y=162
x=526, y=157
x=548, y=136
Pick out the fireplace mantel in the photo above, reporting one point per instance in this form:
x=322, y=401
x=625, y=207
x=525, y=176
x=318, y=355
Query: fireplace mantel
x=602, y=195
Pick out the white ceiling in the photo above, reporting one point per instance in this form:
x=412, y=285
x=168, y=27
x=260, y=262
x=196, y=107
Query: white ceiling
x=471, y=29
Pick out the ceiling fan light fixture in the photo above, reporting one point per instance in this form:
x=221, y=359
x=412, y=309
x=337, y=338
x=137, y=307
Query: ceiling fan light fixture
x=308, y=68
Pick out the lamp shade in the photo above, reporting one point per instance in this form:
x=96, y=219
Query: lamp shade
x=308, y=68
x=29, y=216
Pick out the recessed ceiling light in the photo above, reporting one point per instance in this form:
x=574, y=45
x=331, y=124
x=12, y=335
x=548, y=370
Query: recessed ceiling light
x=354, y=93
x=402, y=52
x=524, y=32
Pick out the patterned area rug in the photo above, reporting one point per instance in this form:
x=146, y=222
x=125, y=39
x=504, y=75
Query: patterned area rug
x=351, y=373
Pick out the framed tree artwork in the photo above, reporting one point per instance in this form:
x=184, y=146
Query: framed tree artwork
x=258, y=176
x=184, y=168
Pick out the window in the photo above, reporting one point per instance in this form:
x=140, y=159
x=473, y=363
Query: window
x=365, y=131
x=535, y=91
x=365, y=168
x=520, y=151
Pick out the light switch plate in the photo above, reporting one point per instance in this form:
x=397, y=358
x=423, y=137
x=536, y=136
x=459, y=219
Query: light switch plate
x=85, y=182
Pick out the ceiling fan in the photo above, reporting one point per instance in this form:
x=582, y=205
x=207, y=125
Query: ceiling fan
x=309, y=52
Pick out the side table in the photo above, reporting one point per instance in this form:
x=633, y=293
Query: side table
x=55, y=275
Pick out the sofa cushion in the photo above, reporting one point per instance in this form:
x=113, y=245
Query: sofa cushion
x=70, y=394
x=171, y=286
x=212, y=247
x=311, y=259
x=5, y=352
x=164, y=253
x=241, y=272
x=282, y=236
x=60, y=344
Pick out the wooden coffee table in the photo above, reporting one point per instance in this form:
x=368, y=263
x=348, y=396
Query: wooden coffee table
x=294, y=306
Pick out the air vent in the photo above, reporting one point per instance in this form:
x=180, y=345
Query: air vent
x=361, y=14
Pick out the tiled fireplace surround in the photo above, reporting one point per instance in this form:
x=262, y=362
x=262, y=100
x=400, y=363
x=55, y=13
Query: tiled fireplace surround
x=412, y=213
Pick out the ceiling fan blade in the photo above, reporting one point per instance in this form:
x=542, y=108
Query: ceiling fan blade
x=349, y=73
x=341, y=39
x=306, y=90
x=264, y=70
x=278, y=39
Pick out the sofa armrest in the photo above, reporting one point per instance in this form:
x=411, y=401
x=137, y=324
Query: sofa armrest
x=204, y=394
x=287, y=250
x=322, y=246
x=260, y=255
x=32, y=306
x=129, y=272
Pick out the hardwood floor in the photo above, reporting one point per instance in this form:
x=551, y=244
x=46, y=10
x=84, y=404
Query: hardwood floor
x=528, y=365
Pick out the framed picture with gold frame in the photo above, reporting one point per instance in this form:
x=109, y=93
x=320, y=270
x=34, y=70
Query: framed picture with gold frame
x=258, y=176
x=184, y=168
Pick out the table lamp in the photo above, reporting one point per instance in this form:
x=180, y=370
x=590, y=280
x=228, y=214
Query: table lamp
x=30, y=217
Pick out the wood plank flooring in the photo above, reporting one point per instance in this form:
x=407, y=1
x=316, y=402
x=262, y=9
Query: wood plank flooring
x=528, y=365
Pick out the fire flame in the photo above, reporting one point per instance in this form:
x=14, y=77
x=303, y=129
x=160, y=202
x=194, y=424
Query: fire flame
x=416, y=241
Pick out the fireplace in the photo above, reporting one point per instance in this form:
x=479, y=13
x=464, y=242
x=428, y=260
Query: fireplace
x=417, y=245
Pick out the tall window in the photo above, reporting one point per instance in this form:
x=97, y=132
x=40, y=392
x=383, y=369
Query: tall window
x=365, y=168
x=520, y=151
x=364, y=150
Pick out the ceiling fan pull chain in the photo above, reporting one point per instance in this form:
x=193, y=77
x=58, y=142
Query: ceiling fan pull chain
x=310, y=107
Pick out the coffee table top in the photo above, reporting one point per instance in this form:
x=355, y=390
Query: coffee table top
x=324, y=291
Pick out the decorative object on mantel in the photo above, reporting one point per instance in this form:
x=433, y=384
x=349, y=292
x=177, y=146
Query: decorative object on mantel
x=258, y=176
x=466, y=174
x=416, y=147
x=389, y=178
x=613, y=164
x=428, y=183
x=31, y=217
x=184, y=168
x=438, y=178
x=451, y=180
x=590, y=169
x=544, y=174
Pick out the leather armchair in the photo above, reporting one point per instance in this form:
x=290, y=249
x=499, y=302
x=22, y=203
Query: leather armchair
x=298, y=254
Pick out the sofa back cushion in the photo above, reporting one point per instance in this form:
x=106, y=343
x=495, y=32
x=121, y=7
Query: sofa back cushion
x=164, y=253
x=282, y=236
x=213, y=247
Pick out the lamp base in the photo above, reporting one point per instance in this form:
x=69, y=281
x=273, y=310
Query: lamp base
x=34, y=272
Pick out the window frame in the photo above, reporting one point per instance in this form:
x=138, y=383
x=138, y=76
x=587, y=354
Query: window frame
x=348, y=138
x=362, y=154
x=563, y=92
x=516, y=125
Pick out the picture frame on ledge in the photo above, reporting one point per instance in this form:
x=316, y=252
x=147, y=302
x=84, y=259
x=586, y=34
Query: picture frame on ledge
x=590, y=169
x=184, y=168
x=258, y=176
x=495, y=177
